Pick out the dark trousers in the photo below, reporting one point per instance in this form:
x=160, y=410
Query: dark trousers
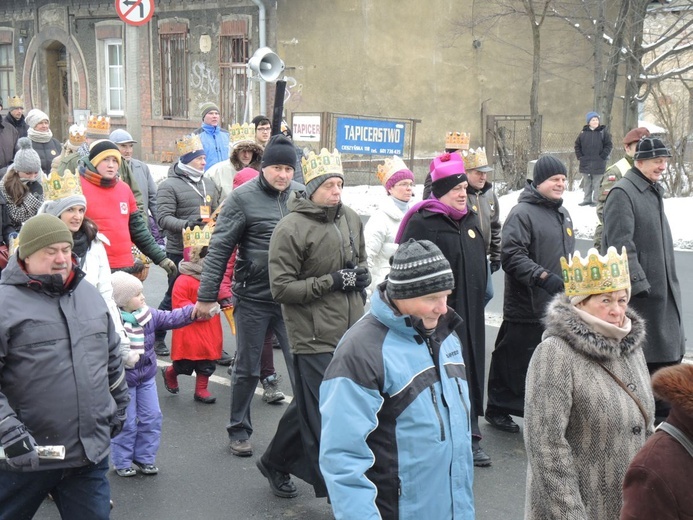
x=203, y=367
x=295, y=448
x=82, y=492
x=662, y=408
x=165, y=304
x=515, y=345
x=267, y=356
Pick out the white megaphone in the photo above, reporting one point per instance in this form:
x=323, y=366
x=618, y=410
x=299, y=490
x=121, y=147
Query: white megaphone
x=266, y=64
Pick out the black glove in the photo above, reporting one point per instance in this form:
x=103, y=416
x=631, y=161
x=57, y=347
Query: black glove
x=19, y=448
x=118, y=422
x=643, y=294
x=350, y=279
x=196, y=222
x=495, y=265
x=553, y=284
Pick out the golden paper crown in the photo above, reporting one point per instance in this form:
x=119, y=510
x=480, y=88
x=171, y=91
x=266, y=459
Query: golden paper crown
x=197, y=237
x=323, y=164
x=239, y=133
x=13, y=245
x=391, y=166
x=596, y=274
x=188, y=143
x=474, y=159
x=139, y=255
x=78, y=135
x=457, y=141
x=57, y=186
x=100, y=125
x=15, y=102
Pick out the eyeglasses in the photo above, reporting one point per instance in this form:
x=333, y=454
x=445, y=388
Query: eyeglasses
x=405, y=185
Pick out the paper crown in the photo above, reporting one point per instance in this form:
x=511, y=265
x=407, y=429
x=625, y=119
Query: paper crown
x=78, y=135
x=323, y=164
x=100, y=125
x=196, y=238
x=457, y=141
x=596, y=274
x=239, y=133
x=57, y=186
x=139, y=255
x=474, y=159
x=13, y=245
x=188, y=143
x=391, y=165
x=15, y=102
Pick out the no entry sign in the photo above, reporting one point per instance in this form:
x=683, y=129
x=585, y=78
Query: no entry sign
x=135, y=12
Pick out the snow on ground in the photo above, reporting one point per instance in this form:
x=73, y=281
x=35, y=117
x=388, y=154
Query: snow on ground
x=366, y=199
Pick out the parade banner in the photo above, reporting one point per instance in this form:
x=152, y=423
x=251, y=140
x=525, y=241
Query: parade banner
x=370, y=136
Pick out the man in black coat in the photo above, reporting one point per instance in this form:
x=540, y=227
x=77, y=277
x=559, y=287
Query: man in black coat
x=536, y=234
x=634, y=217
x=592, y=148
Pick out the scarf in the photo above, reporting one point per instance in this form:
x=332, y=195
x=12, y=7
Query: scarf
x=433, y=205
x=190, y=172
x=193, y=269
x=88, y=171
x=40, y=137
x=81, y=244
x=134, y=323
x=604, y=328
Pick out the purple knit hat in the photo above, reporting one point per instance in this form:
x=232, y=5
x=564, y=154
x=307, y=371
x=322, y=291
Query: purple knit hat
x=400, y=175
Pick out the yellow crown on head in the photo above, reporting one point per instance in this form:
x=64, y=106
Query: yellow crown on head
x=15, y=102
x=457, y=141
x=474, y=159
x=100, y=125
x=323, y=164
x=239, y=133
x=188, y=143
x=391, y=166
x=57, y=186
x=78, y=135
x=198, y=237
x=596, y=274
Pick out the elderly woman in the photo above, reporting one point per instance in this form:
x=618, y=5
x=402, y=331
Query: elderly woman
x=47, y=147
x=588, y=404
x=21, y=186
x=382, y=227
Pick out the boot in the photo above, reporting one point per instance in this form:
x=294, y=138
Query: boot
x=271, y=393
x=170, y=379
x=201, y=393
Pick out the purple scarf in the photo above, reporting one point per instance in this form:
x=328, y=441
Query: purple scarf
x=433, y=205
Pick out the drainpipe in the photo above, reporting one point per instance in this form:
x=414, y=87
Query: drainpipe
x=263, y=43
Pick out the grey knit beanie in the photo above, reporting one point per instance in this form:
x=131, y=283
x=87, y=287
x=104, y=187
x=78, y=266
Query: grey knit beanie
x=56, y=207
x=418, y=268
x=26, y=160
x=42, y=231
x=125, y=287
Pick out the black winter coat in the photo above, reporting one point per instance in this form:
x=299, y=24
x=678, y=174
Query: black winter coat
x=47, y=152
x=21, y=125
x=592, y=149
x=8, y=142
x=536, y=234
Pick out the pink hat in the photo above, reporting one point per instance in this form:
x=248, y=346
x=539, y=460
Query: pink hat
x=447, y=164
x=244, y=176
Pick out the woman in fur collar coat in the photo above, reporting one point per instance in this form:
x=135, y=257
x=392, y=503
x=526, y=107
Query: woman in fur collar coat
x=658, y=481
x=582, y=428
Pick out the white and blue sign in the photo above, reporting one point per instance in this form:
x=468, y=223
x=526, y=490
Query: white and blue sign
x=370, y=136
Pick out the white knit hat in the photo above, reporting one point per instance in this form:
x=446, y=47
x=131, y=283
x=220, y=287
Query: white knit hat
x=125, y=287
x=35, y=116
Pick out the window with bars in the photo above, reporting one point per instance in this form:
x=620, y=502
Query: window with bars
x=6, y=72
x=115, y=77
x=174, y=76
x=233, y=56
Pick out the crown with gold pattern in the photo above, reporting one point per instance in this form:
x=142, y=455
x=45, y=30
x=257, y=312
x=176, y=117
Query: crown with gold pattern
x=196, y=238
x=474, y=159
x=391, y=166
x=240, y=133
x=13, y=245
x=78, y=135
x=188, y=143
x=324, y=164
x=457, y=141
x=15, y=102
x=596, y=274
x=99, y=126
x=57, y=186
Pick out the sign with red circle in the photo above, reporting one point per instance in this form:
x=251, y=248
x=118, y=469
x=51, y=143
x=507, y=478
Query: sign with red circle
x=135, y=12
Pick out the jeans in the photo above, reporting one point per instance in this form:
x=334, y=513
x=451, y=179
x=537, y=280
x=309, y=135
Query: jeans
x=82, y=492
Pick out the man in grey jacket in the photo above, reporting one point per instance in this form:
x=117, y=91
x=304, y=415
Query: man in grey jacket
x=62, y=381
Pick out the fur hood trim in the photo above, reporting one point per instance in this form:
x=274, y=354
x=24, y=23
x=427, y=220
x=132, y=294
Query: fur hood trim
x=562, y=321
x=675, y=385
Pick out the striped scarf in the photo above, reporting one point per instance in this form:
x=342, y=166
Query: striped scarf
x=134, y=323
x=88, y=171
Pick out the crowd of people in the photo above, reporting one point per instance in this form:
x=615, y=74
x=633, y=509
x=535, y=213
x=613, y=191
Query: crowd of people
x=381, y=325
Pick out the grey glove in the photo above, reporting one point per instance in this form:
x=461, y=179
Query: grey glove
x=118, y=422
x=169, y=266
x=19, y=448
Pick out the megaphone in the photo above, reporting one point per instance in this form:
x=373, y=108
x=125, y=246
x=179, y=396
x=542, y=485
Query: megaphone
x=266, y=64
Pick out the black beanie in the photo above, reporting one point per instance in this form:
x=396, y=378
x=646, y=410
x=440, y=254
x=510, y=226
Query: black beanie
x=418, y=268
x=279, y=150
x=546, y=167
x=99, y=150
x=258, y=120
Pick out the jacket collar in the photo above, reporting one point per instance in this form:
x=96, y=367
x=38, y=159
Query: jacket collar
x=641, y=182
x=532, y=196
x=52, y=285
x=487, y=186
x=301, y=204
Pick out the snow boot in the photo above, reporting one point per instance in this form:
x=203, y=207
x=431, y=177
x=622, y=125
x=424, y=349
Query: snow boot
x=170, y=379
x=201, y=392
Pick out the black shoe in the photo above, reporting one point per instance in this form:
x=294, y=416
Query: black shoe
x=225, y=359
x=593, y=204
x=241, y=448
x=585, y=203
x=502, y=422
x=480, y=458
x=280, y=483
x=160, y=348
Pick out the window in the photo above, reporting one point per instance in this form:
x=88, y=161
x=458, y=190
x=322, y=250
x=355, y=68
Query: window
x=174, y=75
x=6, y=73
x=115, y=77
x=233, y=56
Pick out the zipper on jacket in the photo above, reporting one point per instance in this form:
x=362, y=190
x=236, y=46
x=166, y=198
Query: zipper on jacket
x=459, y=389
x=279, y=203
x=440, y=417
